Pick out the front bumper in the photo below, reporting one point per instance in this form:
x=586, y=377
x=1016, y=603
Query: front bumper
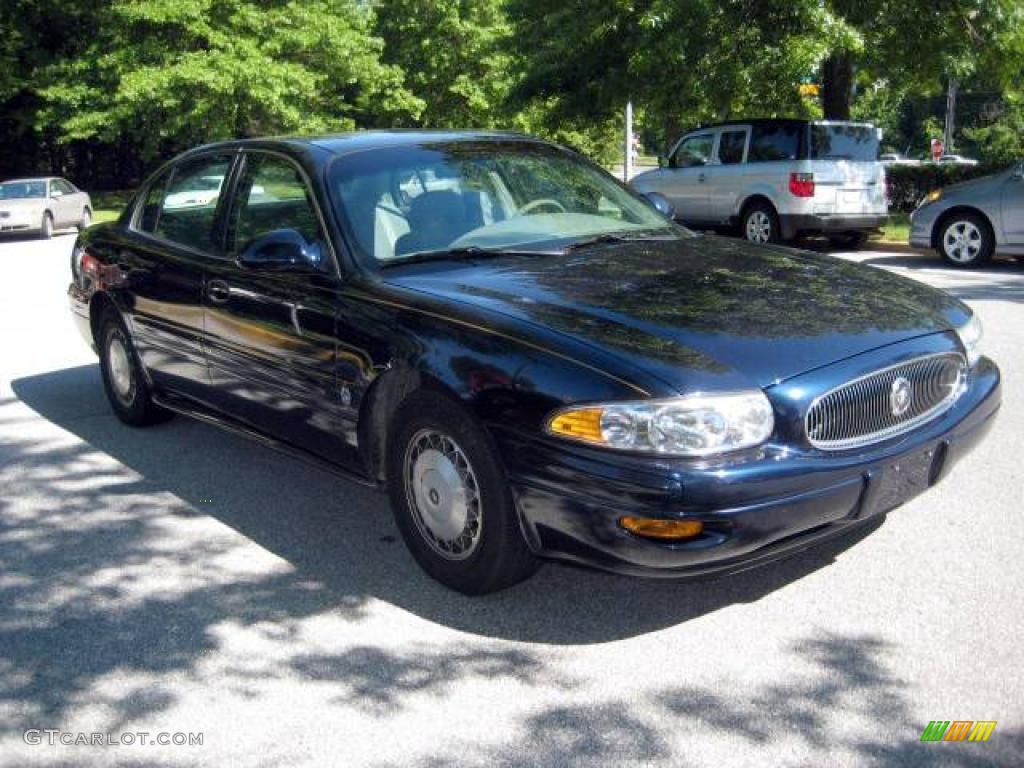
x=922, y=223
x=794, y=223
x=755, y=509
x=19, y=224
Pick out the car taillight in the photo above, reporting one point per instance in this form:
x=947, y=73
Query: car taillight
x=89, y=265
x=801, y=184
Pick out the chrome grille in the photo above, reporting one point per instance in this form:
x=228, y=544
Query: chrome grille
x=869, y=409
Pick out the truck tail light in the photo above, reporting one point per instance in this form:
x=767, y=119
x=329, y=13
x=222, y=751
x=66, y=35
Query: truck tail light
x=801, y=184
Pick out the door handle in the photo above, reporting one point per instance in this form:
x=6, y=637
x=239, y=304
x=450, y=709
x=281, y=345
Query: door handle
x=701, y=178
x=218, y=291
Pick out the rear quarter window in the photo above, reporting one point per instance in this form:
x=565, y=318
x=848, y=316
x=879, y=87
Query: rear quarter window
x=769, y=143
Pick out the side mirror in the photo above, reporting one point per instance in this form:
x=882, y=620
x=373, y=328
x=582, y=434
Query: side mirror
x=281, y=250
x=660, y=203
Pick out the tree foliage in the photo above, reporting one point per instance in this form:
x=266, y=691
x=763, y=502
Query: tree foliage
x=106, y=87
x=187, y=71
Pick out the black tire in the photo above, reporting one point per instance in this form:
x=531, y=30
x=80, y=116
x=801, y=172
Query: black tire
x=965, y=240
x=46, y=227
x=849, y=241
x=132, y=404
x=481, y=558
x=85, y=221
x=760, y=224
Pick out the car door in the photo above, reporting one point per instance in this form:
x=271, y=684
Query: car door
x=725, y=174
x=270, y=328
x=1012, y=208
x=685, y=180
x=63, y=204
x=164, y=258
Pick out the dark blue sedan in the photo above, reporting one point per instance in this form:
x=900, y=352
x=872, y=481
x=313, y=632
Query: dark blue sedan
x=531, y=359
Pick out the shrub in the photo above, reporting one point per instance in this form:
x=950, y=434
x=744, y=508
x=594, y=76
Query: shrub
x=909, y=183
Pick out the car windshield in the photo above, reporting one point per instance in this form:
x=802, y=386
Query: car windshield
x=483, y=195
x=20, y=190
x=844, y=142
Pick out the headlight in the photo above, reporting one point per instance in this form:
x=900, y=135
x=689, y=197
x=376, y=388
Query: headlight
x=970, y=334
x=693, y=425
x=933, y=196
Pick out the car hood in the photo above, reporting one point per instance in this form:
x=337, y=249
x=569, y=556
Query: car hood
x=974, y=186
x=703, y=310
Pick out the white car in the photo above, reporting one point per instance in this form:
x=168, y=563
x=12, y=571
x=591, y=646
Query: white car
x=776, y=179
x=203, y=190
x=957, y=160
x=42, y=205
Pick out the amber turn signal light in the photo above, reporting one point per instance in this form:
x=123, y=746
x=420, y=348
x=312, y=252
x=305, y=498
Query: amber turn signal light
x=662, y=529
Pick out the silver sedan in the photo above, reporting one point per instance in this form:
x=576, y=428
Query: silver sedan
x=42, y=205
x=969, y=222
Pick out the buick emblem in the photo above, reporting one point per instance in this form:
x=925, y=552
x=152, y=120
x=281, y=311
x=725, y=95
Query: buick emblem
x=900, y=396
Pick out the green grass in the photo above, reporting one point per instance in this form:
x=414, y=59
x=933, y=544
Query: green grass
x=898, y=228
x=107, y=206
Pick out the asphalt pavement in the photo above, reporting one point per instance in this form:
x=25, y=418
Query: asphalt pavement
x=181, y=580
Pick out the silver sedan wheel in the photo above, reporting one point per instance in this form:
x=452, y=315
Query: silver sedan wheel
x=443, y=495
x=962, y=241
x=759, y=227
x=119, y=367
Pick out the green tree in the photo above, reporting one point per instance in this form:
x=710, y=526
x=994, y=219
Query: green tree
x=454, y=54
x=170, y=73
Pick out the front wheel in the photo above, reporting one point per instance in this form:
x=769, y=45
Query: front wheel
x=450, y=498
x=761, y=224
x=85, y=221
x=46, y=227
x=126, y=387
x=966, y=240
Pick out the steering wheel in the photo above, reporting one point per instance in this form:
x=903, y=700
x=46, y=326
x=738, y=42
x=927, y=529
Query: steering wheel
x=541, y=202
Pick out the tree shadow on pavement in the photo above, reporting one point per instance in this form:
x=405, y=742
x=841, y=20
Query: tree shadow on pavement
x=341, y=536
x=841, y=702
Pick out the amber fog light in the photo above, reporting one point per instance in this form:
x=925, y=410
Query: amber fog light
x=662, y=529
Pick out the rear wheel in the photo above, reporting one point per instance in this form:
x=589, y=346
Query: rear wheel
x=966, y=240
x=450, y=498
x=123, y=380
x=46, y=228
x=761, y=223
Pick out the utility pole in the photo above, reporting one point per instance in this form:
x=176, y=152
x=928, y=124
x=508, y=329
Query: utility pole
x=950, y=115
x=627, y=145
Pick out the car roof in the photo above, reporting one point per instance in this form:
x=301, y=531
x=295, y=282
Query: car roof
x=777, y=121
x=26, y=180
x=355, y=141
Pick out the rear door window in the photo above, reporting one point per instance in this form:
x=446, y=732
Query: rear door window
x=769, y=143
x=731, y=145
x=188, y=208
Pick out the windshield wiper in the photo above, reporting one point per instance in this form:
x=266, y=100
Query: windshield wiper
x=468, y=253
x=628, y=236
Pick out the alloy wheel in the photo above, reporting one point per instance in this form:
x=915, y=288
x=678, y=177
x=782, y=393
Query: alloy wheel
x=962, y=241
x=759, y=227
